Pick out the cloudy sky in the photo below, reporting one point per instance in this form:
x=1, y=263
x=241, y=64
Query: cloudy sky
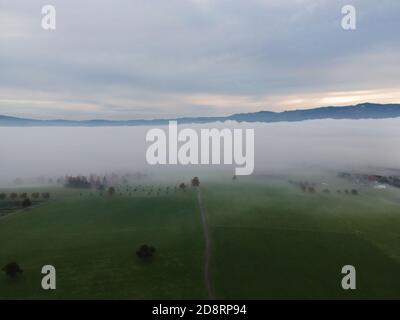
x=164, y=58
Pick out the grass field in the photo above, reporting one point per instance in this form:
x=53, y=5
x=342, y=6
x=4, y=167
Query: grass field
x=275, y=241
x=269, y=240
x=92, y=241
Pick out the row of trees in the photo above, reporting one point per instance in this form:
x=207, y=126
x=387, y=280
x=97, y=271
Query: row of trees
x=311, y=187
x=24, y=195
x=80, y=182
x=130, y=191
x=111, y=191
x=107, y=179
x=100, y=182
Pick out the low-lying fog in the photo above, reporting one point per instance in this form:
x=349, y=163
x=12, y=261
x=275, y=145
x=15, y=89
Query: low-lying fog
x=29, y=152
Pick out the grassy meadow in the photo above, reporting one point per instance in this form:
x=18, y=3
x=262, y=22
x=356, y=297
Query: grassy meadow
x=272, y=240
x=92, y=240
x=269, y=240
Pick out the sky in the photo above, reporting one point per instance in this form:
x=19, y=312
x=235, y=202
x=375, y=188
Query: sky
x=131, y=59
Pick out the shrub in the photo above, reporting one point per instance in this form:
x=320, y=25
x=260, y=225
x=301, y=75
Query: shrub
x=35, y=195
x=111, y=191
x=145, y=252
x=12, y=269
x=26, y=203
x=195, y=182
x=46, y=195
x=13, y=196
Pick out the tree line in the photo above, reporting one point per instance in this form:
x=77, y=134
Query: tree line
x=24, y=195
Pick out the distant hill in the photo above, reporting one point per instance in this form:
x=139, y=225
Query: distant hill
x=360, y=111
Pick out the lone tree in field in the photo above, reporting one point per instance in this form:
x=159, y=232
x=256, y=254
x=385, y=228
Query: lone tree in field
x=311, y=190
x=182, y=186
x=46, y=195
x=11, y=270
x=35, y=195
x=13, y=196
x=354, y=192
x=111, y=191
x=195, y=182
x=145, y=252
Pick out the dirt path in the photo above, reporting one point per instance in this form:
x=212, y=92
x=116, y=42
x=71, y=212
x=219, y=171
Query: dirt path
x=20, y=210
x=207, y=253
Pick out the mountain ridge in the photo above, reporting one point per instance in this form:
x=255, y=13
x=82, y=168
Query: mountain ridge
x=352, y=112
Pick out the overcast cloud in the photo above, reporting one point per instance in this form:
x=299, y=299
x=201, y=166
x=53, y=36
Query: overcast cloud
x=164, y=58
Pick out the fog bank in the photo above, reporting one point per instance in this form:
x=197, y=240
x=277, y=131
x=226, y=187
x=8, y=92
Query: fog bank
x=29, y=152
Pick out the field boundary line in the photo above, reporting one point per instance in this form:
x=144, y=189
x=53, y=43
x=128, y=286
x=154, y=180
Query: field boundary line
x=207, y=251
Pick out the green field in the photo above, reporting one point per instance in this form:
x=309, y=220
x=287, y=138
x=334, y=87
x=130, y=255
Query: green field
x=269, y=240
x=92, y=240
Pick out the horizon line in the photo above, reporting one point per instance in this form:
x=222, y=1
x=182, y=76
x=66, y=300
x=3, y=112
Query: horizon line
x=198, y=117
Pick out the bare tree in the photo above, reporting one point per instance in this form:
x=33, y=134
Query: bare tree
x=111, y=191
x=182, y=186
x=195, y=182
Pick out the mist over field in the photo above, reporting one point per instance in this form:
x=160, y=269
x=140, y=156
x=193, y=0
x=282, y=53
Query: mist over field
x=30, y=152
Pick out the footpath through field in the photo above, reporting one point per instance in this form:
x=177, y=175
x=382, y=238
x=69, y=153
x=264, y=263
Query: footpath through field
x=207, y=253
